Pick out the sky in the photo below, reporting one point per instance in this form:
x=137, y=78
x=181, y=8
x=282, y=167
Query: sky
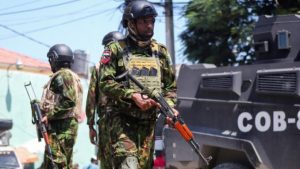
x=30, y=27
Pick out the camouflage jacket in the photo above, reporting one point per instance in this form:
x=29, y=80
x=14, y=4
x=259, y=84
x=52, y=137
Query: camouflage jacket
x=112, y=65
x=92, y=99
x=62, y=84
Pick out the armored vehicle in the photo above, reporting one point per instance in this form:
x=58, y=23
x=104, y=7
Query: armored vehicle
x=245, y=117
x=8, y=157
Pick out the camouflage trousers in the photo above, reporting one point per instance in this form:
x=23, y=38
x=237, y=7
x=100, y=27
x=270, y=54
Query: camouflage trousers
x=132, y=137
x=104, y=149
x=62, y=137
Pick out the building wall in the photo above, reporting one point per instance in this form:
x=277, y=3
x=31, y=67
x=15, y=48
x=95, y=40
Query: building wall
x=15, y=105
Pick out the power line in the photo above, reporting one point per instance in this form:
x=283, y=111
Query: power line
x=160, y=4
x=47, y=18
x=39, y=8
x=66, y=22
x=63, y=23
x=15, y=6
x=25, y=36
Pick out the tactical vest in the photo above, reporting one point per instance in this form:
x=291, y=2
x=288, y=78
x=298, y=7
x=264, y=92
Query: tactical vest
x=145, y=69
x=50, y=99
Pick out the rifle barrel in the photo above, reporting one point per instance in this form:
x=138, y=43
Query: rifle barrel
x=167, y=111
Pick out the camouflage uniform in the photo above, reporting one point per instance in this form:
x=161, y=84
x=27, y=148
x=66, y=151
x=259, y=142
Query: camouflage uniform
x=66, y=88
x=92, y=96
x=96, y=104
x=132, y=130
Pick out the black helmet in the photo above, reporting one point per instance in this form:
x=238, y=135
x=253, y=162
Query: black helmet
x=137, y=9
x=112, y=36
x=60, y=55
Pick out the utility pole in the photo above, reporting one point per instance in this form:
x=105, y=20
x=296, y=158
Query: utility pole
x=170, y=29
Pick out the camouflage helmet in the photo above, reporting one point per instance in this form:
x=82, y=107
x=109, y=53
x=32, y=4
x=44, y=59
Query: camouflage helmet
x=133, y=11
x=60, y=55
x=112, y=36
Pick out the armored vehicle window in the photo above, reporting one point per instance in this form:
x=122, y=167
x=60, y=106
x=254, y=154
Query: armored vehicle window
x=283, y=39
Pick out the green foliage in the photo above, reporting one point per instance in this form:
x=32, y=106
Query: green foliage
x=215, y=27
x=220, y=31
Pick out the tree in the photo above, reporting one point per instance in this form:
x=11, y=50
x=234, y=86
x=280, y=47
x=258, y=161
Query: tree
x=220, y=31
x=216, y=31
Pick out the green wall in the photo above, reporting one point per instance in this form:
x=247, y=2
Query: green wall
x=15, y=105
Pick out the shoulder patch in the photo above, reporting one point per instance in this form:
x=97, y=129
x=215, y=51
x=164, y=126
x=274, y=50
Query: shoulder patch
x=106, y=56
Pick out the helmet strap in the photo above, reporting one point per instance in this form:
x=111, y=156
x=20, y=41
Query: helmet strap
x=53, y=67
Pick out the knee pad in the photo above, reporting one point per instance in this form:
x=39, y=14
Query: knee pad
x=130, y=162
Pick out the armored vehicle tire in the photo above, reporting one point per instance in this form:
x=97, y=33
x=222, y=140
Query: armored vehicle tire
x=230, y=166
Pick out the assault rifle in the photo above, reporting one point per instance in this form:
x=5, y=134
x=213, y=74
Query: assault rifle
x=40, y=126
x=167, y=111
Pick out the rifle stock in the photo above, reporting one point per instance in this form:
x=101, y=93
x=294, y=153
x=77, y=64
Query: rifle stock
x=41, y=126
x=167, y=111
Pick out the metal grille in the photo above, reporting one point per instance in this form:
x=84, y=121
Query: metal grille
x=281, y=82
x=222, y=82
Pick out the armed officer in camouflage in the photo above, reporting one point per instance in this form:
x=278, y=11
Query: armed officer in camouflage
x=96, y=104
x=133, y=116
x=61, y=106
